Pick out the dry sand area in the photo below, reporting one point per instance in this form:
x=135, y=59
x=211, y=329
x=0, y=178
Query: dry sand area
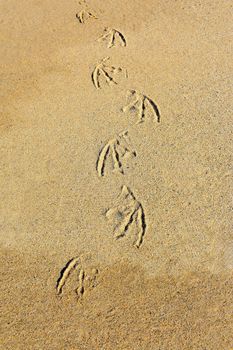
x=115, y=139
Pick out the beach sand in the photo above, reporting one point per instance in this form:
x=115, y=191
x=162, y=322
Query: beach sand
x=116, y=175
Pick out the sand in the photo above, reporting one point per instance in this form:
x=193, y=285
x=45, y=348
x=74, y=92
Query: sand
x=116, y=175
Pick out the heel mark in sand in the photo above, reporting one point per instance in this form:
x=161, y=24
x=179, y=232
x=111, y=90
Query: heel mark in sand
x=107, y=72
x=142, y=104
x=128, y=212
x=118, y=149
x=113, y=37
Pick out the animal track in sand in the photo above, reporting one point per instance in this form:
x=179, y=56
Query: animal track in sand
x=106, y=72
x=85, y=280
x=113, y=38
x=118, y=149
x=127, y=213
x=141, y=104
x=84, y=15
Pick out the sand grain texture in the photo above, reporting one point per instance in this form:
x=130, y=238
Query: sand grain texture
x=116, y=175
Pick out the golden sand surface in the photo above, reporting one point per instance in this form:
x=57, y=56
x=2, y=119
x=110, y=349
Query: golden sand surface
x=116, y=175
